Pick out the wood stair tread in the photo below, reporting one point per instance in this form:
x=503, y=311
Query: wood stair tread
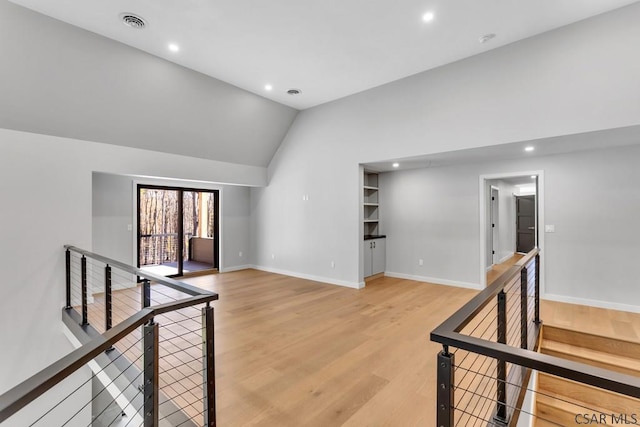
x=625, y=347
x=597, y=357
x=559, y=400
x=586, y=395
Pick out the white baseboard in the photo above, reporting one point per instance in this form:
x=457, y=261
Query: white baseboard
x=434, y=280
x=592, y=303
x=506, y=257
x=236, y=268
x=354, y=285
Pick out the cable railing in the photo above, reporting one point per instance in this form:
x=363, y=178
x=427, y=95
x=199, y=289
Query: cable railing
x=489, y=354
x=162, y=248
x=146, y=354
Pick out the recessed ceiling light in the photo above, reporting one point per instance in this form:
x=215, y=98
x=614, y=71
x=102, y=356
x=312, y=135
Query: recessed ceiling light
x=268, y=87
x=294, y=91
x=428, y=17
x=533, y=176
x=486, y=38
x=395, y=165
x=174, y=47
x=529, y=148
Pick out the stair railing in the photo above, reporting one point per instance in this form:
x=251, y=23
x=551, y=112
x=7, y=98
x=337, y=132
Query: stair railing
x=145, y=356
x=489, y=353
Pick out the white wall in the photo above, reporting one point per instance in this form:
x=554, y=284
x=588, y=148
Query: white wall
x=46, y=187
x=61, y=80
x=575, y=79
x=114, y=209
x=591, y=197
x=426, y=214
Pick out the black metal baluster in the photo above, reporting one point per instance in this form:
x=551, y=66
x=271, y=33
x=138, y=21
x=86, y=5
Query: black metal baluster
x=108, y=310
x=150, y=375
x=83, y=275
x=209, y=367
x=524, y=322
x=445, y=393
x=146, y=293
x=501, y=375
x=68, y=277
x=537, y=290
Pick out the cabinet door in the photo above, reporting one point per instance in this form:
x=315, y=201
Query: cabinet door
x=379, y=256
x=366, y=256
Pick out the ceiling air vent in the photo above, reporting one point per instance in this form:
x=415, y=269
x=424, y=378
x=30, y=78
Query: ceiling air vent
x=133, y=21
x=294, y=91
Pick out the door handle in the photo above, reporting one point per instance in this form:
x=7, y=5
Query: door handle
x=532, y=228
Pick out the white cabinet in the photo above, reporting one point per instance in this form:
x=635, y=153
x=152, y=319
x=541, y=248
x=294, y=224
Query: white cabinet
x=373, y=252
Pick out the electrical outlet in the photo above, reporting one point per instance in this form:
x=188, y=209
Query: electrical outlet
x=333, y=264
x=273, y=256
x=420, y=261
x=240, y=254
x=129, y=227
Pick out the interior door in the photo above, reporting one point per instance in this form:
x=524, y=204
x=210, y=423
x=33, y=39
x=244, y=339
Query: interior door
x=495, y=218
x=525, y=223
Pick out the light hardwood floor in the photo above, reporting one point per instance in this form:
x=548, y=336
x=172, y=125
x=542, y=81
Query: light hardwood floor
x=497, y=269
x=291, y=352
x=599, y=321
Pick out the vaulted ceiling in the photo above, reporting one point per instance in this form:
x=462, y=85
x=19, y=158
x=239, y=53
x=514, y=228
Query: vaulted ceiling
x=327, y=49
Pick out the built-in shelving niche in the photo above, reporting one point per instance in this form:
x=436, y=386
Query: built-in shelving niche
x=371, y=206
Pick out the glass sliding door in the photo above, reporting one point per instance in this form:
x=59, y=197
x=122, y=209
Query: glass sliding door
x=158, y=215
x=200, y=250
x=177, y=230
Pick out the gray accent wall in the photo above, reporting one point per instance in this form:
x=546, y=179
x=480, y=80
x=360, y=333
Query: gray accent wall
x=57, y=79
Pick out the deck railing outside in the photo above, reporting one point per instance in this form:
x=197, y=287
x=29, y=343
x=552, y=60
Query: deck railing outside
x=158, y=249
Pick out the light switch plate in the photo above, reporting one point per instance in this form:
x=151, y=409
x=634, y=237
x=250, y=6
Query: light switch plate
x=549, y=228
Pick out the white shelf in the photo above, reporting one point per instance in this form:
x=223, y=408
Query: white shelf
x=371, y=204
x=371, y=220
x=368, y=187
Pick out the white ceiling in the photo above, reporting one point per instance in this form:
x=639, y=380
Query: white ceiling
x=328, y=49
x=542, y=147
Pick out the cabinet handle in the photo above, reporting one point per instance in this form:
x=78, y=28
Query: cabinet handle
x=374, y=245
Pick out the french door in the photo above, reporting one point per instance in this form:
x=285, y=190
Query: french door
x=178, y=229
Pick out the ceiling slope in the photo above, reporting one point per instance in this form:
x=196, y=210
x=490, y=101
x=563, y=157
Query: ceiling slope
x=60, y=80
x=328, y=49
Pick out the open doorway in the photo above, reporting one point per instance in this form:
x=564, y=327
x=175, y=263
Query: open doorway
x=510, y=207
x=178, y=230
